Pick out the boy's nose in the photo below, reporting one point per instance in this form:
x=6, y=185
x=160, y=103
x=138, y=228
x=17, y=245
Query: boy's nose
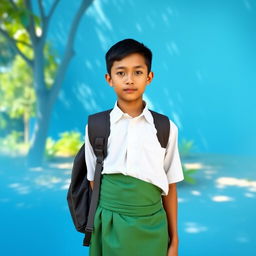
x=129, y=79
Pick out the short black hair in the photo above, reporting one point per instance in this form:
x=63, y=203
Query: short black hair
x=124, y=48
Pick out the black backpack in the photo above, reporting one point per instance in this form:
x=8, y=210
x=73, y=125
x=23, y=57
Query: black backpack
x=82, y=201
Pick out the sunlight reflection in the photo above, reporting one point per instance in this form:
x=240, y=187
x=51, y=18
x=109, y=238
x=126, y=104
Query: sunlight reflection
x=20, y=188
x=138, y=27
x=176, y=119
x=47, y=181
x=181, y=200
x=195, y=192
x=209, y=172
x=88, y=64
x=86, y=97
x=248, y=5
x=193, y=165
x=165, y=18
x=149, y=102
x=194, y=228
x=222, y=198
x=250, y=195
x=223, y=182
x=66, y=185
x=36, y=169
x=65, y=165
x=98, y=14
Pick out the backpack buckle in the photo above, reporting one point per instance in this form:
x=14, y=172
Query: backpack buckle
x=99, y=147
x=89, y=229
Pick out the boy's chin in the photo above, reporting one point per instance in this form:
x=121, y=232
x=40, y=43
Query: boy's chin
x=130, y=99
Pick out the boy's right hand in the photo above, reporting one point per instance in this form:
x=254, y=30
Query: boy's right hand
x=91, y=184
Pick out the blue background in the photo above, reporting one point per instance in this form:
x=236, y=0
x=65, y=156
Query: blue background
x=204, y=60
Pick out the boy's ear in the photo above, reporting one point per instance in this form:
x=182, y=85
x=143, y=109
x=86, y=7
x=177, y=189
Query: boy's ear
x=150, y=77
x=108, y=79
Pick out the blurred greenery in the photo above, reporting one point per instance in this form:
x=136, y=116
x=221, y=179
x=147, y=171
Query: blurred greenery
x=13, y=144
x=68, y=145
x=185, y=148
x=17, y=93
x=188, y=174
x=17, y=96
x=7, y=53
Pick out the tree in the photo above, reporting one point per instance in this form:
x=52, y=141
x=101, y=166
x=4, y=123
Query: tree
x=23, y=29
x=7, y=53
x=17, y=95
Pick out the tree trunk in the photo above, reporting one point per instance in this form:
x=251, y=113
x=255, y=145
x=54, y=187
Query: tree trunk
x=43, y=109
x=26, y=126
x=37, y=148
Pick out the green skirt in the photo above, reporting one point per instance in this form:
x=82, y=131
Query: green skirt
x=130, y=219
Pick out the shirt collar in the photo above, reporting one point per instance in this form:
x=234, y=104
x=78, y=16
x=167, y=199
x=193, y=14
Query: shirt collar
x=117, y=113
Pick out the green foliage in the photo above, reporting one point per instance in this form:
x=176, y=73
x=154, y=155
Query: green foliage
x=185, y=147
x=17, y=96
x=3, y=122
x=14, y=20
x=188, y=175
x=12, y=144
x=51, y=64
x=6, y=52
x=50, y=148
x=68, y=145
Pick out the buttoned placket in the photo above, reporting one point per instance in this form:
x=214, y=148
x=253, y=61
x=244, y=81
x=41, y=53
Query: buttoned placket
x=132, y=143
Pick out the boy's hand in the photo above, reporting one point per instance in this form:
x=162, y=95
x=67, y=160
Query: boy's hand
x=173, y=250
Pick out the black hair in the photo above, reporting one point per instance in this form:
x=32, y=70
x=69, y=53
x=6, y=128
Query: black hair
x=124, y=48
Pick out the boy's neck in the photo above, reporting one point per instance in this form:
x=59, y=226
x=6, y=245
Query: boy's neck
x=133, y=108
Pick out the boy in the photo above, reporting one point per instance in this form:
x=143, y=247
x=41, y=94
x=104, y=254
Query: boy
x=137, y=210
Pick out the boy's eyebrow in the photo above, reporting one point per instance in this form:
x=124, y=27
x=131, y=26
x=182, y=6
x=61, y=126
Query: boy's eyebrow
x=123, y=67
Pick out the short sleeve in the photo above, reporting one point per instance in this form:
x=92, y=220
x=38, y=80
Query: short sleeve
x=90, y=157
x=172, y=163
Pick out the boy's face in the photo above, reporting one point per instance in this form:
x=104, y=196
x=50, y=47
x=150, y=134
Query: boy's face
x=129, y=77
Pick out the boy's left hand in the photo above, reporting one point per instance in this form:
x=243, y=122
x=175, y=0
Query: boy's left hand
x=173, y=250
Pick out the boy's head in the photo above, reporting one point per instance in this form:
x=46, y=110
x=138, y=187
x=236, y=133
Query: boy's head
x=125, y=48
x=129, y=70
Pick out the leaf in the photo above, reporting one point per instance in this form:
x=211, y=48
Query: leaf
x=24, y=19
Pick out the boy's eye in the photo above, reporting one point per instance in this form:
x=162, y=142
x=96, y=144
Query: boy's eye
x=138, y=72
x=120, y=73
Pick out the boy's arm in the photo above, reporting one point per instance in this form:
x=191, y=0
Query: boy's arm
x=90, y=158
x=171, y=207
x=91, y=184
x=173, y=168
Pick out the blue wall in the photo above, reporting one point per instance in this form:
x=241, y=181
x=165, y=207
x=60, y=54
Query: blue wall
x=204, y=63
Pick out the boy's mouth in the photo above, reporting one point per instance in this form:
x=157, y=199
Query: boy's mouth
x=129, y=90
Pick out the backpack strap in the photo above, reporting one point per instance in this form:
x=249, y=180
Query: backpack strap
x=99, y=127
x=162, y=125
x=98, y=132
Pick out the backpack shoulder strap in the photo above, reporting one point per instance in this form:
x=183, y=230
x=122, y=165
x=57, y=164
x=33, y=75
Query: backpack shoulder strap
x=98, y=132
x=162, y=125
x=99, y=127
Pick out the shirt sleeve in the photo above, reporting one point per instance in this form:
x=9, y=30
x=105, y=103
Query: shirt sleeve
x=90, y=157
x=172, y=163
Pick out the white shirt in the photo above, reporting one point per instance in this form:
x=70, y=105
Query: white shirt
x=134, y=150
